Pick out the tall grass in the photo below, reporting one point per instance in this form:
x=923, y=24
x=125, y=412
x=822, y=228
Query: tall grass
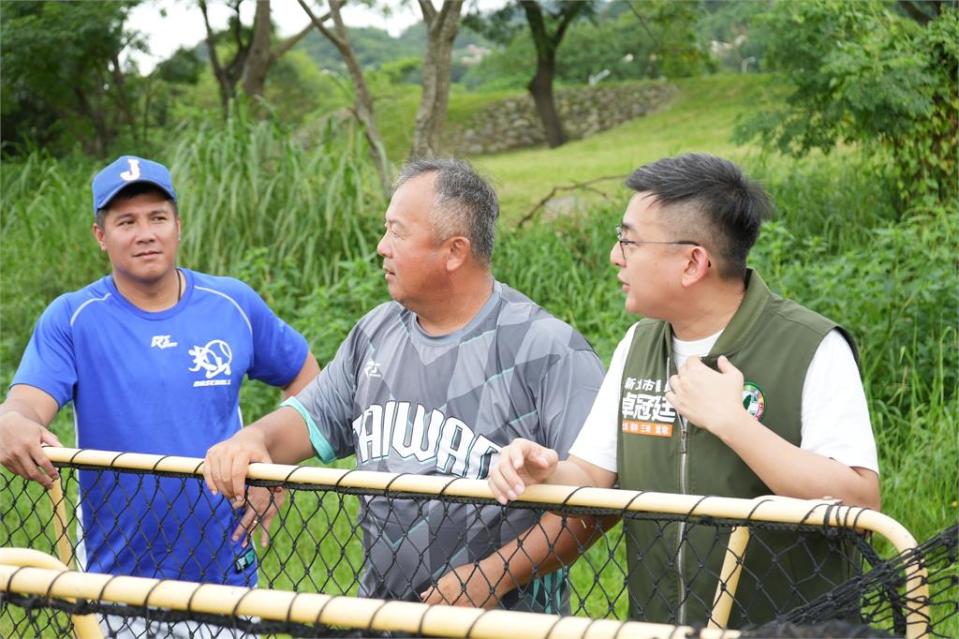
x=248, y=186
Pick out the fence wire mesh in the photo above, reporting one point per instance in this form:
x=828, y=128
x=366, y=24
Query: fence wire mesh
x=340, y=540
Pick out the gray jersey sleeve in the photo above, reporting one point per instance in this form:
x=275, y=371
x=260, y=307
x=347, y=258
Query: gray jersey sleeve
x=326, y=403
x=566, y=396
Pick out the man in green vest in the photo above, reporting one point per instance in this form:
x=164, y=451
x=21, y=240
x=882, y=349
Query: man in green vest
x=723, y=388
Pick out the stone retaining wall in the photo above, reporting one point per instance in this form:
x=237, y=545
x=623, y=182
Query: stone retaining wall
x=513, y=123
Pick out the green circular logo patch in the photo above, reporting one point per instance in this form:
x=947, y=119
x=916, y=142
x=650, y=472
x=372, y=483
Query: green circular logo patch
x=753, y=400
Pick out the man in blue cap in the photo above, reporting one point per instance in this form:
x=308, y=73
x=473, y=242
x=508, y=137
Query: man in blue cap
x=152, y=357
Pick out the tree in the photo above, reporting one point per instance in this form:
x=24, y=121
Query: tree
x=548, y=23
x=620, y=41
x=865, y=75
x=253, y=54
x=229, y=74
x=168, y=85
x=671, y=28
x=262, y=54
x=541, y=84
x=363, y=99
x=63, y=80
x=442, y=26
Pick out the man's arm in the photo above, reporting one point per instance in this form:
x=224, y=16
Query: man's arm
x=568, y=395
x=24, y=417
x=283, y=436
x=310, y=369
x=552, y=543
x=262, y=504
x=280, y=437
x=546, y=546
x=713, y=400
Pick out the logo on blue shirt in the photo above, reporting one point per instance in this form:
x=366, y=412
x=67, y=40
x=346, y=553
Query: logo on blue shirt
x=213, y=359
x=162, y=342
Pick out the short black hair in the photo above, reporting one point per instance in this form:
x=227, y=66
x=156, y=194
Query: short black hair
x=465, y=204
x=133, y=190
x=732, y=206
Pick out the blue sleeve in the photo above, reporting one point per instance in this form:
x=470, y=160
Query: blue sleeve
x=49, y=363
x=279, y=351
x=326, y=404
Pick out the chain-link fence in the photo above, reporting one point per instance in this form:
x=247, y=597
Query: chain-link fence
x=602, y=554
x=60, y=603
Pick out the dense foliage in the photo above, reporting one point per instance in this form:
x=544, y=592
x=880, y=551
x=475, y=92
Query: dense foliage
x=862, y=74
x=69, y=85
x=62, y=80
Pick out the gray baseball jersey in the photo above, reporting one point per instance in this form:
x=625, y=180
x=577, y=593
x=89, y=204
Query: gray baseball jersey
x=403, y=401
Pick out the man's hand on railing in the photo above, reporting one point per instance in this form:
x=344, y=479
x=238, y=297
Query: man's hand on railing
x=522, y=463
x=21, y=449
x=226, y=464
x=23, y=432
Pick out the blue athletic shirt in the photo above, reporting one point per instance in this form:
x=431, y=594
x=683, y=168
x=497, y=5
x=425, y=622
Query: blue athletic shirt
x=164, y=383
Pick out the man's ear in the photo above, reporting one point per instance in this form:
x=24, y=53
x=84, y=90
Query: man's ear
x=98, y=236
x=458, y=252
x=698, y=264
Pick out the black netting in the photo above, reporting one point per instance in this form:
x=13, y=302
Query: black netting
x=887, y=597
x=24, y=616
x=392, y=545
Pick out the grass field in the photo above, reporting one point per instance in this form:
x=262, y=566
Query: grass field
x=839, y=244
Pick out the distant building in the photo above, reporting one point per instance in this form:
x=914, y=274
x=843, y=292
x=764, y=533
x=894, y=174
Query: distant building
x=474, y=55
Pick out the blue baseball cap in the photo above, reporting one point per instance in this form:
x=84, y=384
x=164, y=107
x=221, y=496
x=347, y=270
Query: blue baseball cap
x=127, y=170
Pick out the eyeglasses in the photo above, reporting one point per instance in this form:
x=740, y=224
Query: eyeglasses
x=623, y=243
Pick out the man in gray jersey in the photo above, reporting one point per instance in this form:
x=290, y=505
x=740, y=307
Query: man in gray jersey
x=437, y=382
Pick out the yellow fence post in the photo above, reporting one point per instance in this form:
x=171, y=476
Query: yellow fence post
x=729, y=578
x=64, y=546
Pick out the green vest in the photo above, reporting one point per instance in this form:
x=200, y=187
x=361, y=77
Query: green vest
x=772, y=341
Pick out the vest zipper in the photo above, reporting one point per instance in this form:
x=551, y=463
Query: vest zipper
x=681, y=531
x=684, y=489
